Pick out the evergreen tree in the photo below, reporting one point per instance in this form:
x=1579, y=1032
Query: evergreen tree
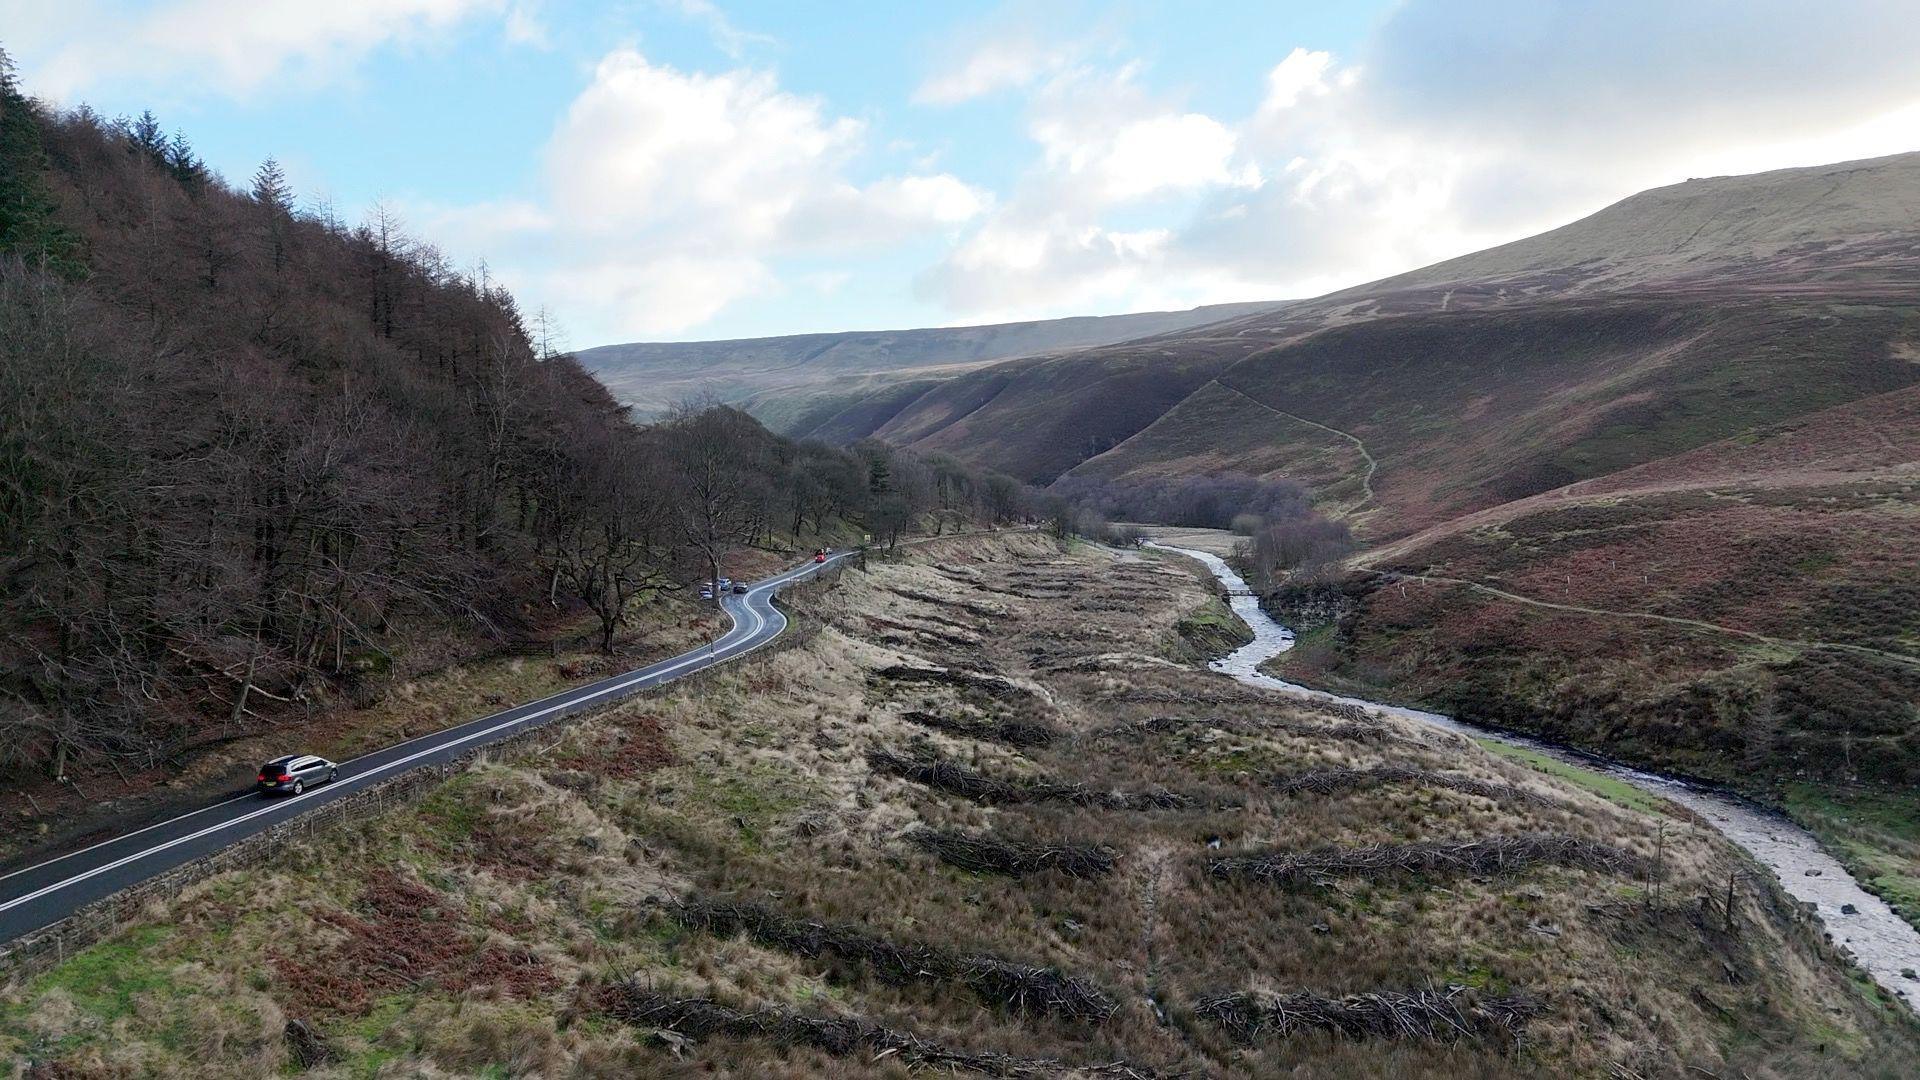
x=184, y=164
x=147, y=137
x=28, y=226
x=270, y=187
x=271, y=193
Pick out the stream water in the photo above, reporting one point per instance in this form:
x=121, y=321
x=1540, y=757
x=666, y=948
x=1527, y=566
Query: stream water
x=1880, y=941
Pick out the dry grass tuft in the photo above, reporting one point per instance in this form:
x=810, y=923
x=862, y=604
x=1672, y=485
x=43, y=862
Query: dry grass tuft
x=943, y=775
x=1336, y=781
x=986, y=855
x=1013, y=986
x=1018, y=733
x=1493, y=855
x=698, y=1018
x=1448, y=1015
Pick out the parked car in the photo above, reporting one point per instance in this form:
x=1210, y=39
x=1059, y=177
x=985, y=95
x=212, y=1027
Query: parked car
x=739, y=589
x=293, y=774
x=726, y=583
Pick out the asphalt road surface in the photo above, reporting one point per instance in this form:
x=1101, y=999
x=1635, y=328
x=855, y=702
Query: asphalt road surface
x=44, y=893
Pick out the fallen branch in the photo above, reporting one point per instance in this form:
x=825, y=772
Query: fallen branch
x=943, y=775
x=1368, y=732
x=698, y=1018
x=1450, y=1015
x=1012, y=732
x=982, y=854
x=1014, y=986
x=991, y=685
x=1336, y=781
x=1493, y=855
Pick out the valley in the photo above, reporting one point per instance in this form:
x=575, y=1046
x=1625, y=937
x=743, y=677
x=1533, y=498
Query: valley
x=1644, y=483
x=969, y=815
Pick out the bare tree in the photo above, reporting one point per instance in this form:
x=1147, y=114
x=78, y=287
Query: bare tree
x=715, y=456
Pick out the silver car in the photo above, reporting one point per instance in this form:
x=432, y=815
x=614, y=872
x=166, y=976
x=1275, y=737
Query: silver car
x=292, y=774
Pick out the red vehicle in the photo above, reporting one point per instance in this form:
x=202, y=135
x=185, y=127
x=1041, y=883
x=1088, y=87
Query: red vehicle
x=820, y=555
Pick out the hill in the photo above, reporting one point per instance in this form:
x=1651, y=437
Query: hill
x=260, y=469
x=1690, y=405
x=653, y=376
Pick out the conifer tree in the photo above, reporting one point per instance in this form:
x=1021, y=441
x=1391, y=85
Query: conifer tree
x=184, y=164
x=270, y=188
x=147, y=137
x=27, y=223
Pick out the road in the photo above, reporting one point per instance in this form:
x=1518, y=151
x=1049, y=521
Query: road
x=37, y=896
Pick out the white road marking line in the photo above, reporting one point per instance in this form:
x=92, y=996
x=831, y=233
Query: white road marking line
x=711, y=654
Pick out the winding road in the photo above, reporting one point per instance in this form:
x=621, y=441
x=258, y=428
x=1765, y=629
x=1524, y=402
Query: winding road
x=37, y=896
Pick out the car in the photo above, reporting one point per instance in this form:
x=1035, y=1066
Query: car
x=820, y=555
x=293, y=774
x=726, y=583
x=706, y=592
x=739, y=590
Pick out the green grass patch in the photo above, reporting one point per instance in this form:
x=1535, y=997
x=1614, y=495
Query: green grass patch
x=748, y=803
x=1874, y=834
x=1207, y=631
x=450, y=813
x=1618, y=791
x=104, y=980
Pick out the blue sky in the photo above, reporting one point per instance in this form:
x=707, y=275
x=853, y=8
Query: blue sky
x=675, y=169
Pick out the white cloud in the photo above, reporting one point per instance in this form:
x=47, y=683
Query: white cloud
x=990, y=66
x=1166, y=152
x=524, y=26
x=238, y=46
x=1455, y=126
x=670, y=195
x=725, y=33
x=1302, y=74
x=657, y=294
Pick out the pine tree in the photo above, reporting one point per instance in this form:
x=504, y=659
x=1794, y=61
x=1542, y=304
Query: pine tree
x=184, y=164
x=28, y=225
x=147, y=137
x=270, y=191
x=270, y=187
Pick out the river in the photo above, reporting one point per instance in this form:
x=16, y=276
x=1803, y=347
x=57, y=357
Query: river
x=1880, y=941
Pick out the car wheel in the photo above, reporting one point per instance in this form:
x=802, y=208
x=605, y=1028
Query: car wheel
x=299, y=786
x=332, y=775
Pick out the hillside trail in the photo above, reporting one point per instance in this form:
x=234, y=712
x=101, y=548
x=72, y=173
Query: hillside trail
x=1366, y=478
x=1517, y=598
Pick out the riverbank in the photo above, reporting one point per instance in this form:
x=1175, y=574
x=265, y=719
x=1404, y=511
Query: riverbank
x=1865, y=926
x=974, y=817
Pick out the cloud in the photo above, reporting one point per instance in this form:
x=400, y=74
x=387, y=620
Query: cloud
x=990, y=66
x=1454, y=126
x=726, y=35
x=670, y=195
x=524, y=26
x=239, y=47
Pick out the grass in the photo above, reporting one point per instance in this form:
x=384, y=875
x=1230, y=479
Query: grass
x=1618, y=791
x=1208, y=631
x=771, y=801
x=1874, y=834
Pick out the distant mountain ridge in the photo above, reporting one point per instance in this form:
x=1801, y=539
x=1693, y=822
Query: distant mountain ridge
x=652, y=376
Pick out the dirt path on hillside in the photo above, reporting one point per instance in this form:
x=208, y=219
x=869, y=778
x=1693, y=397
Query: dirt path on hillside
x=1366, y=478
x=1650, y=617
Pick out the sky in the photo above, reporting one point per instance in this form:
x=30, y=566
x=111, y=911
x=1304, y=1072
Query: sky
x=694, y=169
